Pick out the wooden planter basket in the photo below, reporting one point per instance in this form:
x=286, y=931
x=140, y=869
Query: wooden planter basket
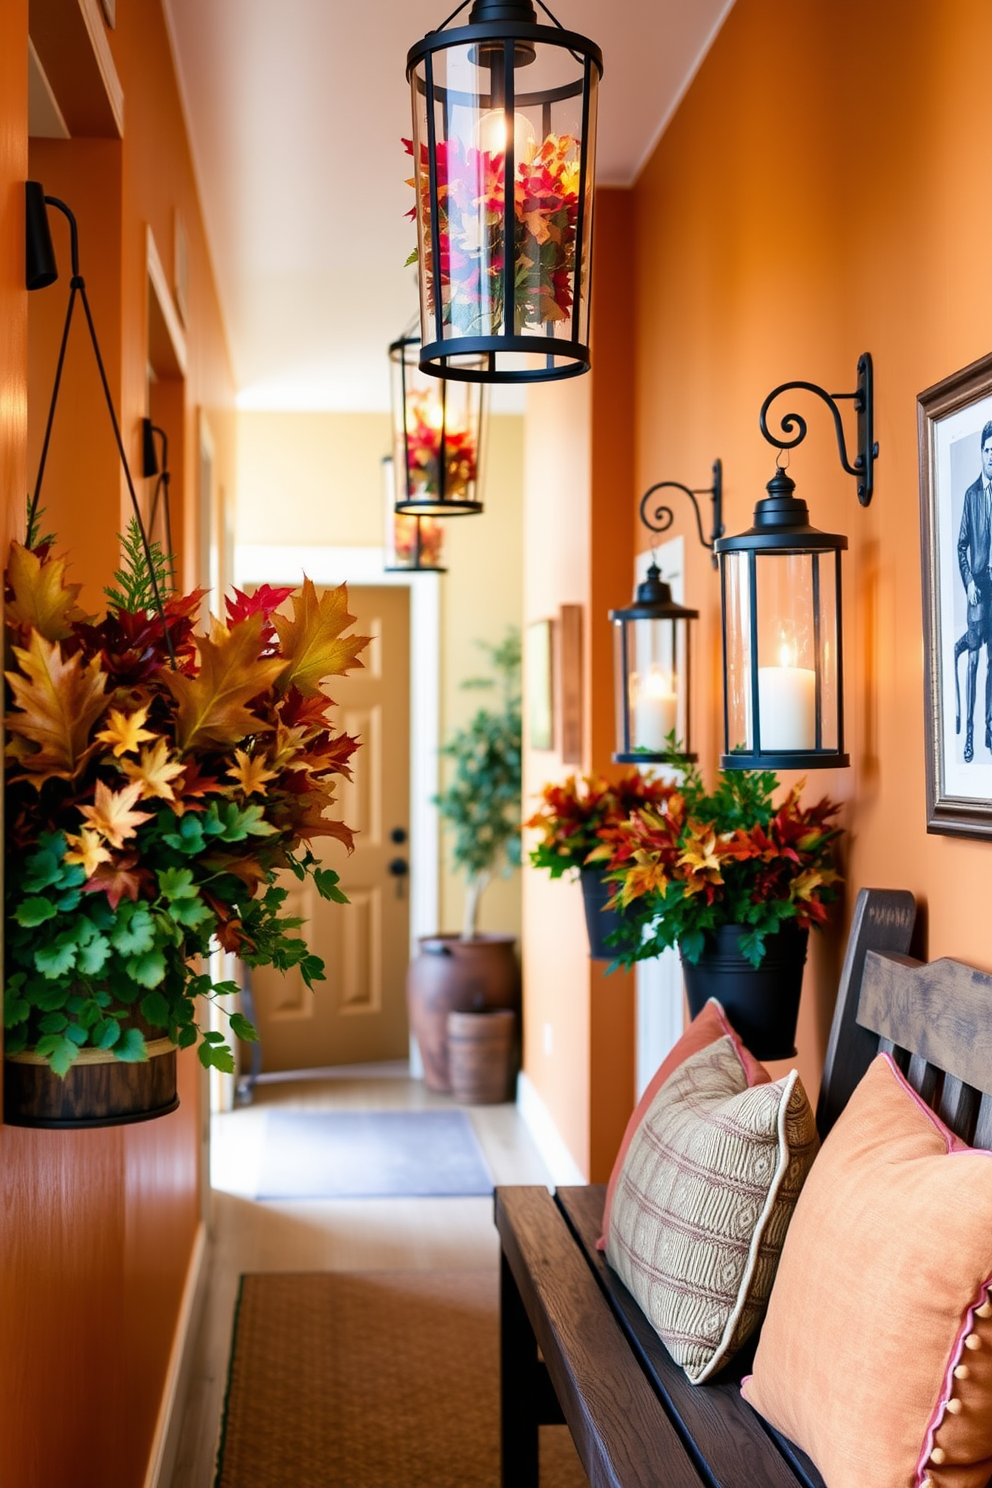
x=99, y=1090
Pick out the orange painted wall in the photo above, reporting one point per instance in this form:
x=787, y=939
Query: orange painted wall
x=578, y=549
x=97, y=1229
x=819, y=193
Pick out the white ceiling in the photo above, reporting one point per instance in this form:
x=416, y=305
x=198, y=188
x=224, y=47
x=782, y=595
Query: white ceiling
x=296, y=110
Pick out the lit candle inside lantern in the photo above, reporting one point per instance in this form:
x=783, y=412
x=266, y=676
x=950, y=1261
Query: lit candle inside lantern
x=787, y=700
x=655, y=710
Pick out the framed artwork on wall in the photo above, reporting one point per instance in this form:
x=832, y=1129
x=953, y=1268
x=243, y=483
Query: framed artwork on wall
x=570, y=683
x=538, y=682
x=955, y=445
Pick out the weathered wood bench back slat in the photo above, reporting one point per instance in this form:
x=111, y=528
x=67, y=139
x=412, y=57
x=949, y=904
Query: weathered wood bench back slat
x=883, y=920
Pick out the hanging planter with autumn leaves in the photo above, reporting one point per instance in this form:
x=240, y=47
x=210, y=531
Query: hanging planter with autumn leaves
x=156, y=782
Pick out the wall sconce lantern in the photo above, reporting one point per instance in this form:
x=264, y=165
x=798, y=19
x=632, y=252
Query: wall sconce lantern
x=652, y=657
x=780, y=589
x=413, y=544
x=504, y=275
x=438, y=430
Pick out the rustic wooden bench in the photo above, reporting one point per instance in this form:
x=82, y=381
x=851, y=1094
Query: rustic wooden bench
x=575, y=1346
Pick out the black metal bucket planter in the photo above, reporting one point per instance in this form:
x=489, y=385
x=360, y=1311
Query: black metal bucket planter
x=98, y=1090
x=761, y=1002
x=600, y=921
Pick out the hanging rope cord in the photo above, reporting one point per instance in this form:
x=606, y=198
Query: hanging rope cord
x=78, y=287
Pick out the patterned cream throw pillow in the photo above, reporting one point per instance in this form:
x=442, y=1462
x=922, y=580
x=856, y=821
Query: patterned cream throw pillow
x=704, y=1200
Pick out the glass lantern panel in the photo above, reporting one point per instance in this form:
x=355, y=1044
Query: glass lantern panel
x=737, y=651
x=826, y=570
x=437, y=436
x=411, y=542
x=787, y=652
x=655, y=685
x=479, y=107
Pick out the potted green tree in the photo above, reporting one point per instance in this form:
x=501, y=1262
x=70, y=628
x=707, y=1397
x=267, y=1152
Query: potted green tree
x=480, y=805
x=736, y=881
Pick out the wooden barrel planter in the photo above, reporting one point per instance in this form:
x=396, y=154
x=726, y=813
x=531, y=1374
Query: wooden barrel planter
x=482, y=1056
x=98, y=1090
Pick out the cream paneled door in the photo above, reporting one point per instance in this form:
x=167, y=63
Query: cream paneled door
x=359, y=1014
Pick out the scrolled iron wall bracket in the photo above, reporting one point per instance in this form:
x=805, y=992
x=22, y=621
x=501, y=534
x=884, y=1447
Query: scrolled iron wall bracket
x=661, y=516
x=863, y=398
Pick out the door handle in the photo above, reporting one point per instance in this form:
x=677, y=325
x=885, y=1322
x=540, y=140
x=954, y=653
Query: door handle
x=398, y=835
x=399, y=868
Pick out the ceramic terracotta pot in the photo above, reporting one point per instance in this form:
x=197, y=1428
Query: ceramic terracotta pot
x=761, y=1002
x=451, y=975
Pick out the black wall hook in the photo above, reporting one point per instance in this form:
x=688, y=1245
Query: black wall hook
x=863, y=399
x=661, y=516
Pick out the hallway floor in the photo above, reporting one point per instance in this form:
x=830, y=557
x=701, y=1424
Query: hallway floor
x=330, y=1234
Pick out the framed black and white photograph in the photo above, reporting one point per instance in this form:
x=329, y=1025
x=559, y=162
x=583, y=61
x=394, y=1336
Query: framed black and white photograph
x=955, y=430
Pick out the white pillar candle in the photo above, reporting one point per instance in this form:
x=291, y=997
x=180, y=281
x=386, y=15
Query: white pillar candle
x=787, y=700
x=655, y=712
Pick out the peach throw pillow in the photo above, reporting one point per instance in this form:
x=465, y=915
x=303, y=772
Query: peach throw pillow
x=876, y=1353
x=708, y=1026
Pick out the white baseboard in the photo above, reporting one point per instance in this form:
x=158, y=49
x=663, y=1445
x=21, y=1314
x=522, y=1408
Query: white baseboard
x=538, y=1120
x=165, y=1442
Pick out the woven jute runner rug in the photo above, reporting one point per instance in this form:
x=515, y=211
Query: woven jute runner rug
x=371, y=1380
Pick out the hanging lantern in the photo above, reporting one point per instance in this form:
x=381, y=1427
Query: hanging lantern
x=780, y=597
x=437, y=438
x=413, y=544
x=652, y=664
x=783, y=693
x=504, y=275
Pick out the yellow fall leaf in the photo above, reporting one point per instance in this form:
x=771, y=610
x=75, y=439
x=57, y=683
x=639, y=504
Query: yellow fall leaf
x=125, y=731
x=41, y=597
x=153, y=771
x=58, y=702
x=211, y=704
x=86, y=848
x=251, y=772
x=312, y=643
x=111, y=813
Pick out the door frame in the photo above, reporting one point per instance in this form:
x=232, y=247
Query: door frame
x=359, y=567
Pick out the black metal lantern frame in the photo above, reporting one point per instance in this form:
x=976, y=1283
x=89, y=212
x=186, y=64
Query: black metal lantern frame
x=504, y=126
x=438, y=434
x=652, y=661
x=781, y=602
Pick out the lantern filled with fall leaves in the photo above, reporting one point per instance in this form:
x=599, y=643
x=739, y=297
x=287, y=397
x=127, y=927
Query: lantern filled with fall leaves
x=504, y=128
x=157, y=781
x=438, y=430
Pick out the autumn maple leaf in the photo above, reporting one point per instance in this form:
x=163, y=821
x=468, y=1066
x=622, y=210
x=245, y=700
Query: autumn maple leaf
x=311, y=642
x=117, y=879
x=250, y=771
x=211, y=704
x=58, y=702
x=153, y=771
x=125, y=731
x=40, y=598
x=111, y=813
x=86, y=849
